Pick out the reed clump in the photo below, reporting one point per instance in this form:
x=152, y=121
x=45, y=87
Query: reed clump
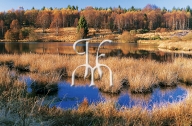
x=167, y=75
x=119, y=77
x=142, y=76
x=184, y=68
x=44, y=83
x=104, y=84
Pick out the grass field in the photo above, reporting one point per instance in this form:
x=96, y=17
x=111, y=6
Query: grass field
x=69, y=34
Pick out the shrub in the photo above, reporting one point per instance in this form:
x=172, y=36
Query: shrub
x=140, y=31
x=24, y=33
x=128, y=37
x=156, y=37
x=163, y=30
x=133, y=31
x=145, y=30
x=158, y=29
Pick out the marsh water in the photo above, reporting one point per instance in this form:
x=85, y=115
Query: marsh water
x=70, y=97
x=147, y=51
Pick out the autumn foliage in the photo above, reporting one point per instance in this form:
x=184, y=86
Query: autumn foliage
x=118, y=19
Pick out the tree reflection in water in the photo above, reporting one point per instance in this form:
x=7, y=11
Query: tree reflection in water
x=146, y=51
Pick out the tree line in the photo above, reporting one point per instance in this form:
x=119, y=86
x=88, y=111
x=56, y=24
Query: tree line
x=117, y=19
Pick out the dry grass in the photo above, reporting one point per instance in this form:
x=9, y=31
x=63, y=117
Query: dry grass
x=167, y=74
x=107, y=114
x=17, y=108
x=5, y=76
x=44, y=83
x=140, y=75
x=65, y=34
x=185, y=46
x=162, y=35
x=185, y=70
x=69, y=34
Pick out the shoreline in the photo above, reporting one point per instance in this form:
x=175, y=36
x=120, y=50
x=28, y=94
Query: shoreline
x=176, y=46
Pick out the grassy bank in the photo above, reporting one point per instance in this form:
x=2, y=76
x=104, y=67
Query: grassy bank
x=19, y=108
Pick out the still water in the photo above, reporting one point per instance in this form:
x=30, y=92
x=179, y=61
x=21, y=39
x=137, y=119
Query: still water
x=69, y=97
x=148, y=51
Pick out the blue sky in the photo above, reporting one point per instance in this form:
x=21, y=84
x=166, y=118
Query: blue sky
x=38, y=4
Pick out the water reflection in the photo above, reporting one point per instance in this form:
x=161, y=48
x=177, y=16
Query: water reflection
x=71, y=96
x=157, y=98
x=147, y=51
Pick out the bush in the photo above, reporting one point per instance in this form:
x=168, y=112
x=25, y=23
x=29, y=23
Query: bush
x=145, y=30
x=133, y=31
x=164, y=30
x=128, y=37
x=140, y=31
x=156, y=37
x=24, y=33
x=158, y=29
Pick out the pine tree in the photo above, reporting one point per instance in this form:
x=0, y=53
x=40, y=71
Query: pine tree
x=82, y=27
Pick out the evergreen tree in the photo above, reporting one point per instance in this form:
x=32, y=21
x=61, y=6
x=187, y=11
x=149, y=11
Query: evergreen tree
x=69, y=7
x=76, y=7
x=82, y=27
x=43, y=8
